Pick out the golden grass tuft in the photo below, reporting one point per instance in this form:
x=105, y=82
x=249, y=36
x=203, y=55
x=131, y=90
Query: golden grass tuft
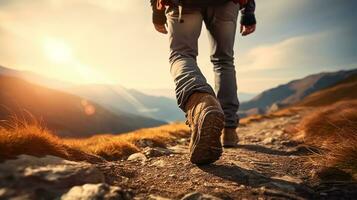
x=32, y=139
x=334, y=129
x=286, y=112
x=29, y=138
x=112, y=147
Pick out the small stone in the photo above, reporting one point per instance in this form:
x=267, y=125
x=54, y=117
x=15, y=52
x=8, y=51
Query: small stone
x=283, y=186
x=96, y=191
x=289, y=179
x=155, y=197
x=194, y=181
x=144, y=143
x=323, y=194
x=182, y=140
x=199, y=196
x=269, y=140
x=6, y=193
x=137, y=157
x=156, y=151
x=179, y=149
x=158, y=163
x=255, y=140
x=289, y=143
x=172, y=175
x=279, y=133
x=242, y=187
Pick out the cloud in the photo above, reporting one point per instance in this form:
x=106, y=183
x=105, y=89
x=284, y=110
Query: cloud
x=116, y=38
x=116, y=5
x=316, y=50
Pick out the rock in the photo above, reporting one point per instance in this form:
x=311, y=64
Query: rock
x=279, y=133
x=45, y=177
x=158, y=163
x=275, y=107
x=179, y=149
x=156, y=152
x=268, y=140
x=51, y=169
x=142, y=143
x=183, y=140
x=172, y=175
x=254, y=140
x=155, y=197
x=137, y=157
x=290, y=143
x=96, y=192
x=199, y=196
x=289, y=179
x=6, y=192
x=282, y=186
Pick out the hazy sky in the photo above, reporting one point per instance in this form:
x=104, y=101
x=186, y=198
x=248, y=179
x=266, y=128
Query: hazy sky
x=113, y=41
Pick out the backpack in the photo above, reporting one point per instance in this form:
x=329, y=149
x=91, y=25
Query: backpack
x=161, y=4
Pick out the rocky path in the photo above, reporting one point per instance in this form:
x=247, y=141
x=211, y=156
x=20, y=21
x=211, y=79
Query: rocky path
x=266, y=165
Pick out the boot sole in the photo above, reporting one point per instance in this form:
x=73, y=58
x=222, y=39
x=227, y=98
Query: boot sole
x=207, y=147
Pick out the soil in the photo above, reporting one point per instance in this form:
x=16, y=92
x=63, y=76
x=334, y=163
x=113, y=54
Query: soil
x=266, y=164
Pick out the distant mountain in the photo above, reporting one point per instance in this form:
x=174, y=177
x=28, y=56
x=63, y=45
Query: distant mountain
x=293, y=91
x=170, y=93
x=244, y=96
x=112, y=97
x=65, y=114
x=117, y=99
x=35, y=78
x=342, y=91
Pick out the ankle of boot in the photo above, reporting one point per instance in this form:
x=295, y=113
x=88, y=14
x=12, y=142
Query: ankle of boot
x=194, y=99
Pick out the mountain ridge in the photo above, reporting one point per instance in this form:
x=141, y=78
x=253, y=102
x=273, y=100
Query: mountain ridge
x=292, y=92
x=116, y=98
x=63, y=113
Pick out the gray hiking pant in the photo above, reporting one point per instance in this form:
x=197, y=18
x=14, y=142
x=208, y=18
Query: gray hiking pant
x=221, y=23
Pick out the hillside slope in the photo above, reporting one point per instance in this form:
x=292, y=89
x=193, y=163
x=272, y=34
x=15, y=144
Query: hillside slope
x=66, y=114
x=294, y=91
x=111, y=97
x=117, y=98
x=344, y=90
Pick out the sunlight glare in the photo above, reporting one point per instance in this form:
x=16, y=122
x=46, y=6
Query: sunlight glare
x=57, y=51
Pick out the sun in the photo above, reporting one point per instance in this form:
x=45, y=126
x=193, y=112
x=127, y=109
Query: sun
x=57, y=51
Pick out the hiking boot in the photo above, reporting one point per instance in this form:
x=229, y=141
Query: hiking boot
x=206, y=120
x=229, y=137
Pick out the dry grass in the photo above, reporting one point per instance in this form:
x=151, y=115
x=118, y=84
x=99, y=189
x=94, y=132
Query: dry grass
x=286, y=112
x=334, y=129
x=33, y=139
x=112, y=147
x=345, y=90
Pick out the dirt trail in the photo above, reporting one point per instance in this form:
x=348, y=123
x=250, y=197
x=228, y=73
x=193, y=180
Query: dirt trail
x=266, y=165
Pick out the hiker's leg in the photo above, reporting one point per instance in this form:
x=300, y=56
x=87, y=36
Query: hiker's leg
x=221, y=23
x=183, y=52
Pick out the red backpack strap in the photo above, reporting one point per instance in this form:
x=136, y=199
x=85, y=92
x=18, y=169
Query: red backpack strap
x=162, y=3
x=241, y=2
